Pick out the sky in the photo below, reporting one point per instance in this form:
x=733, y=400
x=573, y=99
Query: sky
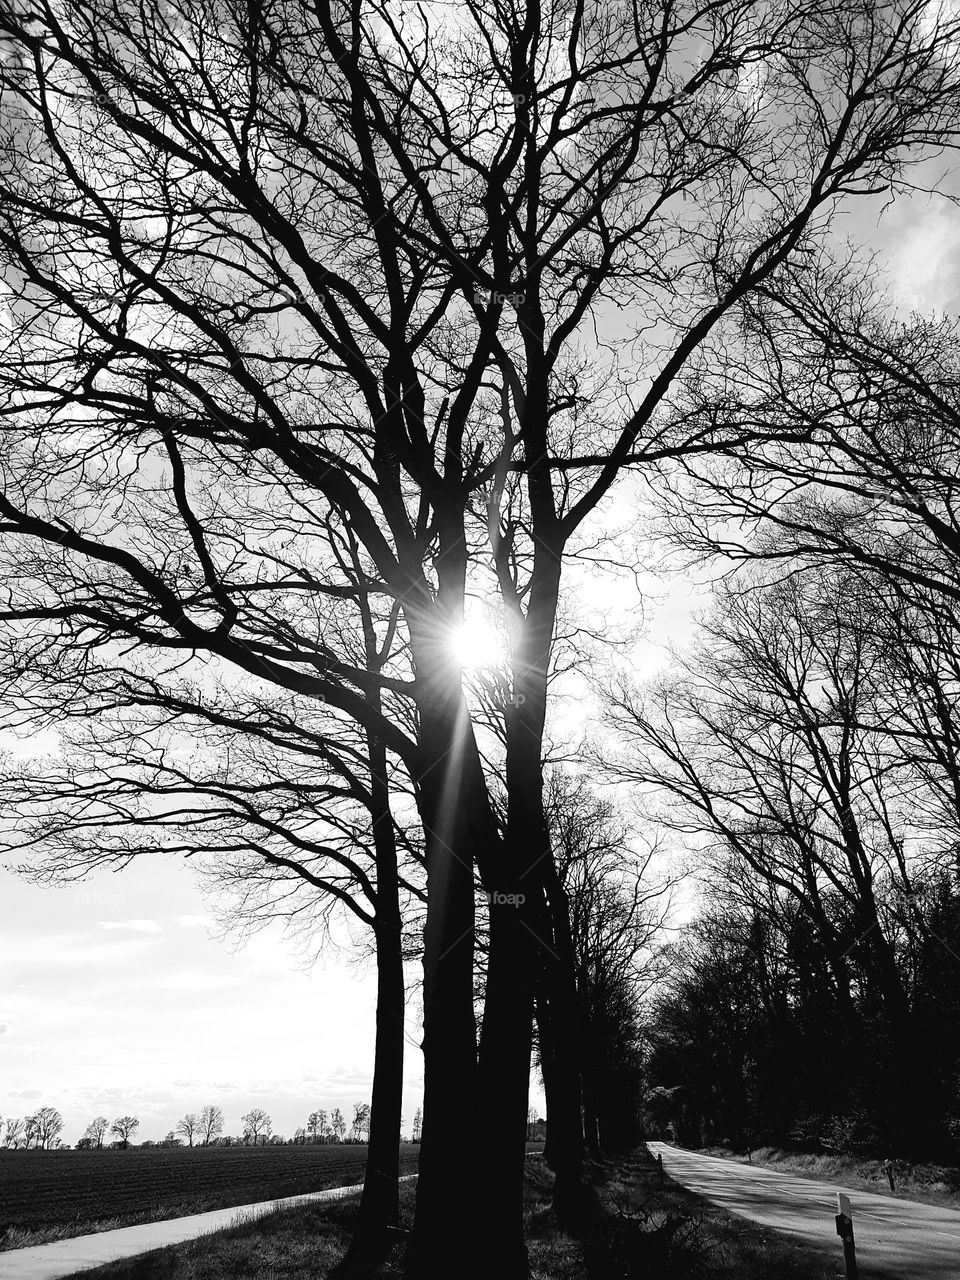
x=119, y=995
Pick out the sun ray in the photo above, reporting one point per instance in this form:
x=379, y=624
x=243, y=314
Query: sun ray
x=478, y=645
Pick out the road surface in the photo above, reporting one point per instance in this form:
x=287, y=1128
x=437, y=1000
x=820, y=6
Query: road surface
x=66, y=1257
x=894, y=1238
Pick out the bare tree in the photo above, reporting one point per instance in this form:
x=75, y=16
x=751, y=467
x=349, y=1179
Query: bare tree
x=361, y=1120
x=317, y=1125
x=256, y=1126
x=29, y=1132
x=211, y=1124
x=533, y=1119
x=338, y=1124
x=616, y=900
x=188, y=1127
x=13, y=1133
x=44, y=1127
x=125, y=1127
x=862, y=468
x=781, y=745
x=297, y=825
x=277, y=355
x=96, y=1131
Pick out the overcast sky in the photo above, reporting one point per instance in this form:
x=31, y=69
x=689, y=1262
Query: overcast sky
x=117, y=996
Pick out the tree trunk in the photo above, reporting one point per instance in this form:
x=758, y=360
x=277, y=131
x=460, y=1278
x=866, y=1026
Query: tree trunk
x=591, y=1120
x=504, y=1069
x=452, y=805
x=380, y=1202
x=566, y=1141
x=520, y=933
x=445, y=1201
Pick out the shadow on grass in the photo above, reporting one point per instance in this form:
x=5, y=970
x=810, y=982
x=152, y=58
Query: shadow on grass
x=651, y=1234
x=638, y=1233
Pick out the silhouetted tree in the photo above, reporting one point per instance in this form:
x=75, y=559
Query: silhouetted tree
x=13, y=1133
x=256, y=1126
x=44, y=1127
x=125, y=1127
x=317, y=1125
x=188, y=1127
x=473, y=196
x=96, y=1131
x=338, y=1124
x=361, y=1120
x=211, y=1124
x=788, y=745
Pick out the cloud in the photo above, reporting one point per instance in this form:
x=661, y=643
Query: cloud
x=920, y=261
x=136, y=926
x=195, y=980
x=193, y=922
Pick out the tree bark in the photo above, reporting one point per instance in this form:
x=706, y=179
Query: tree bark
x=453, y=806
x=520, y=926
x=504, y=1076
x=380, y=1201
x=591, y=1120
x=566, y=1141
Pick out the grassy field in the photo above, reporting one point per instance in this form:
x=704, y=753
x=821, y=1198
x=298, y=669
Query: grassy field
x=639, y=1233
x=50, y=1195
x=926, y=1183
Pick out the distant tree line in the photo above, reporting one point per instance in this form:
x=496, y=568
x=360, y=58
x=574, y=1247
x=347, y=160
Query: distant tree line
x=42, y=1129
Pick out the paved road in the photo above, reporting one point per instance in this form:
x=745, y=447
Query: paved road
x=895, y=1238
x=66, y=1257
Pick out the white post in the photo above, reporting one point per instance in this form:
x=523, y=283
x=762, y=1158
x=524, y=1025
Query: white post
x=845, y=1232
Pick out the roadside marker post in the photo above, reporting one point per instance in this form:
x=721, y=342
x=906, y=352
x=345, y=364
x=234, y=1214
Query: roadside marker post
x=845, y=1232
x=660, y=1169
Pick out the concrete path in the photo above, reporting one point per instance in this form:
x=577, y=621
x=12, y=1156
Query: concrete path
x=894, y=1238
x=65, y=1257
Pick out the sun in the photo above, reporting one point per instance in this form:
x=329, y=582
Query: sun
x=478, y=645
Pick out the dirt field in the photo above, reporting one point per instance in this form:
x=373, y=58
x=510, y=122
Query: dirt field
x=51, y=1194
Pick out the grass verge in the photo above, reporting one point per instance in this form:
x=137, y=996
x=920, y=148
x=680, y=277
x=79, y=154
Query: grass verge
x=299, y=1243
x=651, y=1234
x=639, y=1233
x=925, y=1183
